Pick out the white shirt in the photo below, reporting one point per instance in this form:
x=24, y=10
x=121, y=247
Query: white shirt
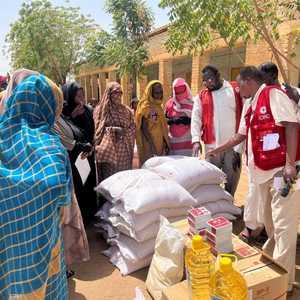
x=283, y=110
x=224, y=116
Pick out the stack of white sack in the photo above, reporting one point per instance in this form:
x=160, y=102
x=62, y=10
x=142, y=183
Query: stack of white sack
x=201, y=179
x=137, y=198
x=130, y=218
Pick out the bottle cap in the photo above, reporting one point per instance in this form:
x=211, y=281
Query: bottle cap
x=197, y=242
x=225, y=264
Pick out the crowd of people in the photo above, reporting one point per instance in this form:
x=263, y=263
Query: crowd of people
x=45, y=204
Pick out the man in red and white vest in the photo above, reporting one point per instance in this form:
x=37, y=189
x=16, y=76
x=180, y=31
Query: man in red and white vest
x=215, y=118
x=270, y=128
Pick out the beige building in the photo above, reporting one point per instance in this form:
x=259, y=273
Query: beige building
x=166, y=67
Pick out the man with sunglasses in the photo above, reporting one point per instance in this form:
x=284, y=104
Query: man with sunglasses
x=215, y=118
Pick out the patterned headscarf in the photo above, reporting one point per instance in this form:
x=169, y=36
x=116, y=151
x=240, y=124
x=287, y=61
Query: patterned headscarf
x=104, y=111
x=185, y=105
x=17, y=77
x=35, y=181
x=21, y=74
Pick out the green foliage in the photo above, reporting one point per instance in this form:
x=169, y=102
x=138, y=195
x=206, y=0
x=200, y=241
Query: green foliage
x=202, y=21
x=132, y=21
x=48, y=38
x=96, y=48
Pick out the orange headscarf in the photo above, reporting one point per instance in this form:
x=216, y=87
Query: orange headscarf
x=143, y=110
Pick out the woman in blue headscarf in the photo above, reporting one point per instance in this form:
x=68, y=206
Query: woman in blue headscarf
x=35, y=183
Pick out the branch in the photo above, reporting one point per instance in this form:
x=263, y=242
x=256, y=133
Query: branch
x=271, y=43
x=287, y=59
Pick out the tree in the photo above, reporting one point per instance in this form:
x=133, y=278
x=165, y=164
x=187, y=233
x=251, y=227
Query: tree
x=132, y=21
x=232, y=20
x=48, y=38
x=97, y=47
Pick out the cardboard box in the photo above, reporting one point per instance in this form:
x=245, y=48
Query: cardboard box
x=265, y=279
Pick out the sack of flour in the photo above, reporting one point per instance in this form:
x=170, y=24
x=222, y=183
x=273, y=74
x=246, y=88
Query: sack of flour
x=190, y=172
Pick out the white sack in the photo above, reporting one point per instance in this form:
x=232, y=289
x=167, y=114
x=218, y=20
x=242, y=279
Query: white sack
x=190, y=172
x=209, y=193
x=107, y=229
x=167, y=265
x=131, y=249
x=140, y=221
x=124, y=265
x=155, y=194
x=114, y=186
x=158, y=160
x=145, y=234
x=222, y=206
x=104, y=212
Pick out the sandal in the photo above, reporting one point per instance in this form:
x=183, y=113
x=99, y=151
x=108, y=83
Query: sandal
x=245, y=236
x=70, y=273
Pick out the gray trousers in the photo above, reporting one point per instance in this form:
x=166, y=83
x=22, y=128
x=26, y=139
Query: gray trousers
x=224, y=161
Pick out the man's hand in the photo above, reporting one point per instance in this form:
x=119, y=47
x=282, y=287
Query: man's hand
x=289, y=173
x=197, y=149
x=236, y=161
x=212, y=152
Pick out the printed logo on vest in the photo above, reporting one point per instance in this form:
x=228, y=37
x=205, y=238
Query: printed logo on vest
x=264, y=117
x=263, y=110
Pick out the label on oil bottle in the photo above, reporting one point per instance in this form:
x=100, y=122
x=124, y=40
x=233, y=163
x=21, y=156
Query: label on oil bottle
x=215, y=298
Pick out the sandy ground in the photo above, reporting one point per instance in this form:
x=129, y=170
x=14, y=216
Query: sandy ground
x=99, y=280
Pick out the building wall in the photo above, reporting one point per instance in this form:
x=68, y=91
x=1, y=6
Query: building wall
x=166, y=67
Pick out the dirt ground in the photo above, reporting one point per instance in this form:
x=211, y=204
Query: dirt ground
x=99, y=280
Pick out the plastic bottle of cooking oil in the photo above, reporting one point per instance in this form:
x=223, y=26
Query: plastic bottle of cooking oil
x=199, y=269
x=227, y=283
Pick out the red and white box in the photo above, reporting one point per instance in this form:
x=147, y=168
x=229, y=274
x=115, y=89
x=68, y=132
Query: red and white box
x=196, y=212
x=219, y=226
x=219, y=235
x=198, y=217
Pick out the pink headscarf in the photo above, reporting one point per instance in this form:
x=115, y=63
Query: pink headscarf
x=180, y=106
x=184, y=102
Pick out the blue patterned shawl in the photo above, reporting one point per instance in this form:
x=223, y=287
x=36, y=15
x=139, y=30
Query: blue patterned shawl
x=35, y=181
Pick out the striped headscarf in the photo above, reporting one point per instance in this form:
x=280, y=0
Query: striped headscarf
x=182, y=105
x=35, y=181
x=106, y=110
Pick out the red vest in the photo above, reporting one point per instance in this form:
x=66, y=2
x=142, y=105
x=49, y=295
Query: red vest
x=205, y=96
x=261, y=124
